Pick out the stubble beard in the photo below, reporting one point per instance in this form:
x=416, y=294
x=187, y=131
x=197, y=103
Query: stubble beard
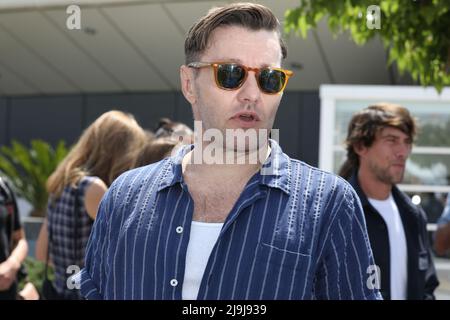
x=385, y=176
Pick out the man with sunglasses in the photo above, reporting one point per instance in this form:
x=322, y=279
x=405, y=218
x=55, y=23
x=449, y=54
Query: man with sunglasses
x=185, y=228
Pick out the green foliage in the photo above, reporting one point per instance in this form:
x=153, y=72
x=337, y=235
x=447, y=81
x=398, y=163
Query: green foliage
x=416, y=32
x=29, y=168
x=35, y=273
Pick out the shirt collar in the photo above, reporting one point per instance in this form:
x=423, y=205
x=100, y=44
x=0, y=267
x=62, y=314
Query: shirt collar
x=275, y=172
x=172, y=169
x=399, y=197
x=353, y=180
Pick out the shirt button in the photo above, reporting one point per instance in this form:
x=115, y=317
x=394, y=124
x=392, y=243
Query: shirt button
x=173, y=282
x=179, y=229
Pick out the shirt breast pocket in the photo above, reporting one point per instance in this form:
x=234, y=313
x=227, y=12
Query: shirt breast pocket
x=283, y=273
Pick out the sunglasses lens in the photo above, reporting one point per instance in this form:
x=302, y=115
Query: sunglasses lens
x=272, y=81
x=230, y=76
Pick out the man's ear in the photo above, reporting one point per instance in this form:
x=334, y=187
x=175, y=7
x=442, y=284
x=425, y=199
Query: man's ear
x=360, y=149
x=187, y=84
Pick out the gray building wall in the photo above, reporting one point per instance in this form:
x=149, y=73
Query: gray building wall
x=52, y=118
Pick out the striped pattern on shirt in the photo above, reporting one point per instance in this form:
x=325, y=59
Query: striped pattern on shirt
x=296, y=233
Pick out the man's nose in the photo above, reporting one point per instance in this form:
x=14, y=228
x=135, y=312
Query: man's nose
x=250, y=92
x=403, y=150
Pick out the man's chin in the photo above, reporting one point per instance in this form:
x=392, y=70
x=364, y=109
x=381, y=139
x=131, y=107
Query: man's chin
x=244, y=148
x=396, y=179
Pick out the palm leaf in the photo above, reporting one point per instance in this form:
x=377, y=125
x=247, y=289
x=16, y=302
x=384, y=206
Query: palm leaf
x=29, y=168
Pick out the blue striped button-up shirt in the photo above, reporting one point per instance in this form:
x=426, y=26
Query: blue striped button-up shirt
x=294, y=233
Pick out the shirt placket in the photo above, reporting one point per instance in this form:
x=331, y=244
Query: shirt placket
x=249, y=196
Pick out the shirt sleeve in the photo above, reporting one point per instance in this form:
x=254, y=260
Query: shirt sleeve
x=347, y=270
x=431, y=279
x=92, y=277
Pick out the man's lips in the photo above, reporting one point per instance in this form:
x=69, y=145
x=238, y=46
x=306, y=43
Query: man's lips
x=247, y=116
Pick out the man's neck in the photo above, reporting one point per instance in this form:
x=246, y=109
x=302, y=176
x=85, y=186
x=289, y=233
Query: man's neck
x=372, y=187
x=230, y=172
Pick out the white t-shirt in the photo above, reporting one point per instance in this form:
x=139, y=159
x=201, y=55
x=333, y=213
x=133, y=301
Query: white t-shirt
x=202, y=239
x=397, y=243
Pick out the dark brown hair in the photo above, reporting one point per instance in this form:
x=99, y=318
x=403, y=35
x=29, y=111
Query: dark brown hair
x=169, y=128
x=364, y=126
x=155, y=150
x=248, y=15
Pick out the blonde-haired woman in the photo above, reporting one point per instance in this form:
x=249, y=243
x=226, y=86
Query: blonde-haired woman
x=107, y=148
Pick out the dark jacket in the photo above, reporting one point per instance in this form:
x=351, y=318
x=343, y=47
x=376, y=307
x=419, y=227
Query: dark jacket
x=422, y=279
x=9, y=222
